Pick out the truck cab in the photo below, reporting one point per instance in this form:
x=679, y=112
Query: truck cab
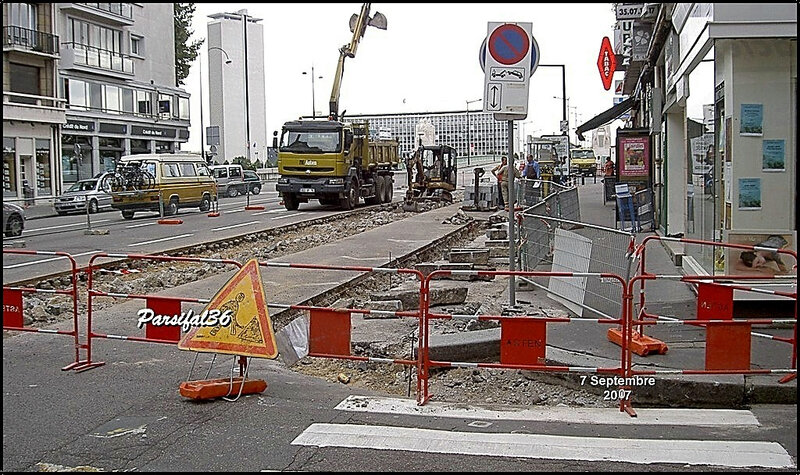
x=583, y=161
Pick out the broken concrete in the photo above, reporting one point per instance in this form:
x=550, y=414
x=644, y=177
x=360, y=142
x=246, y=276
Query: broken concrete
x=409, y=296
x=428, y=267
x=472, y=256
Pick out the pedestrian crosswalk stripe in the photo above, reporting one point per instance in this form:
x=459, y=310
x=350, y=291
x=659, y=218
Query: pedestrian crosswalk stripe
x=551, y=447
x=577, y=415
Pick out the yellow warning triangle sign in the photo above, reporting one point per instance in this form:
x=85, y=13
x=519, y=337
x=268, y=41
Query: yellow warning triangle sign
x=249, y=332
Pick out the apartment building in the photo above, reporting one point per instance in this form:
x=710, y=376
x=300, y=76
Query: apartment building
x=32, y=110
x=117, y=75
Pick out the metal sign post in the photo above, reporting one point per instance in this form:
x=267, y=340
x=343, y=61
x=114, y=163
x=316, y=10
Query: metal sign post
x=513, y=56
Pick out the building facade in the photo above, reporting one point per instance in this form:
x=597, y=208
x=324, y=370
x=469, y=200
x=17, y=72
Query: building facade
x=716, y=87
x=236, y=89
x=117, y=75
x=32, y=110
x=485, y=136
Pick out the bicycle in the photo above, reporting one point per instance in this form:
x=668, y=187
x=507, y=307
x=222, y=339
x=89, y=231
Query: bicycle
x=130, y=177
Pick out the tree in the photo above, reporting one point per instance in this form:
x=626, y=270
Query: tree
x=244, y=162
x=185, y=52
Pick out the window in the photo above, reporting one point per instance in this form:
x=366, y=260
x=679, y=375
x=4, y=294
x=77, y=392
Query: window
x=23, y=15
x=183, y=108
x=95, y=96
x=112, y=99
x=163, y=147
x=136, y=46
x=24, y=80
x=170, y=169
x=187, y=169
x=9, y=167
x=202, y=170
x=165, y=106
x=143, y=104
x=140, y=146
x=220, y=173
x=236, y=172
x=43, y=181
x=127, y=100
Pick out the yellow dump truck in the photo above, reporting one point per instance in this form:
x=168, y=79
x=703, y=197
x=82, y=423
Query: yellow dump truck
x=335, y=163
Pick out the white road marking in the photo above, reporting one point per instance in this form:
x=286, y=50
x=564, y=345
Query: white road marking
x=235, y=225
x=160, y=240
x=64, y=226
x=287, y=216
x=539, y=446
x=140, y=225
x=268, y=212
x=574, y=415
x=48, y=260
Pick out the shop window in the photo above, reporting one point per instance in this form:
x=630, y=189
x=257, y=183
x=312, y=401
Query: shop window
x=43, y=169
x=9, y=167
x=76, y=158
x=140, y=146
x=163, y=147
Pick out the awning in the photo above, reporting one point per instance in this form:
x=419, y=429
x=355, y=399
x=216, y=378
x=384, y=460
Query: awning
x=606, y=116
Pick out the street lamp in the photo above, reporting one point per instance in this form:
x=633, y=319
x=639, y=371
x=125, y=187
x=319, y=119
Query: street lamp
x=313, y=101
x=563, y=88
x=202, y=125
x=468, y=103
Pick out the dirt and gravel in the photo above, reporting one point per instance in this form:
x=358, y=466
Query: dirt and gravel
x=397, y=336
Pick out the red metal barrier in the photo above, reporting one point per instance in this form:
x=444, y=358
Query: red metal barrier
x=523, y=338
x=163, y=305
x=330, y=329
x=13, y=304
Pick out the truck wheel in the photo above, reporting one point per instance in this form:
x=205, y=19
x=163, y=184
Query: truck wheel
x=388, y=190
x=127, y=214
x=290, y=201
x=377, y=198
x=350, y=201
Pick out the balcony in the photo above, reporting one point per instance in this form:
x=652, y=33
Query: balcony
x=31, y=108
x=120, y=14
x=16, y=38
x=96, y=60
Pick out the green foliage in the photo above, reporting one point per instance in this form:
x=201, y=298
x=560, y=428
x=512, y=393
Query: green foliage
x=185, y=52
x=244, y=162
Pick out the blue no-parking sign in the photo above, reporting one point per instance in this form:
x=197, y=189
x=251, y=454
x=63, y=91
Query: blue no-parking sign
x=508, y=56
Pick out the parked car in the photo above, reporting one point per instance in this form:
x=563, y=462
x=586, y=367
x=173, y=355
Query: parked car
x=230, y=179
x=13, y=220
x=81, y=194
x=179, y=180
x=253, y=181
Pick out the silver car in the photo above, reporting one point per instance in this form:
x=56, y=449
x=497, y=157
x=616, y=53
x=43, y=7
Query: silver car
x=81, y=194
x=13, y=220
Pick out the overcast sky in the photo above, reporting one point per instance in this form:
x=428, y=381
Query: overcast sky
x=426, y=60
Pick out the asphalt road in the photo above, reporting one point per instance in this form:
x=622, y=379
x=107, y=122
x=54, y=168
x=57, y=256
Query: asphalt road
x=128, y=415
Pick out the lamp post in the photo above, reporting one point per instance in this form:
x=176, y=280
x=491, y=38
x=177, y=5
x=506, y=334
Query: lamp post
x=468, y=144
x=202, y=126
x=313, y=101
x=563, y=88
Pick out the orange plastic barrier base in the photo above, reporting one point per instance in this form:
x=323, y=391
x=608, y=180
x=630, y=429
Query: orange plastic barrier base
x=170, y=221
x=642, y=345
x=253, y=207
x=213, y=215
x=214, y=388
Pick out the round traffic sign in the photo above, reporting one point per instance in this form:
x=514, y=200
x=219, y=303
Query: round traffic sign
x=508, y=44
x=534, y=55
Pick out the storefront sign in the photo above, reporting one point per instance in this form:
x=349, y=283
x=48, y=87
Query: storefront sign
x=152, y=131
x=113, y=128
x=78, y=126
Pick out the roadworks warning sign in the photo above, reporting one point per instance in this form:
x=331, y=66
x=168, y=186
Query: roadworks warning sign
x=249, y=332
